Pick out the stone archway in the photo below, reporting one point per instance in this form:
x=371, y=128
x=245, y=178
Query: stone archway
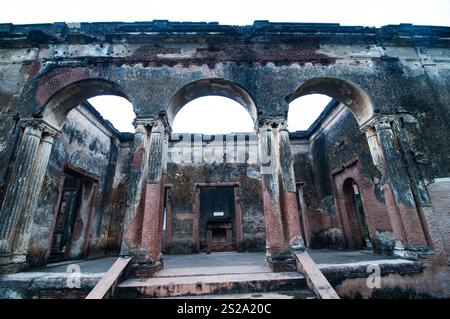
x=143, y=234
x=213, y=86
x=39, y=134
x=70, y=96
x=342, y=90
x=404, y=215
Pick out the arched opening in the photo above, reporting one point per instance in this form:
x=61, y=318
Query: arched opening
x=212, y=115
x=88, y=167
x=115, y=109
x=210, y=179
x=55, y=110
x=329, y=148
x=210, y=87
x=356, y=216
x=341, y=90
x=305, y=110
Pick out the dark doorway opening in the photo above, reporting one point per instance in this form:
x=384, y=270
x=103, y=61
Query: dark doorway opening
x=73, y=215
x=356, y=216
x=217, y=224
x=219, y=234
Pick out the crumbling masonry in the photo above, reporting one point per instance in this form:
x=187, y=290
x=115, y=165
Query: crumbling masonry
x=74, y=187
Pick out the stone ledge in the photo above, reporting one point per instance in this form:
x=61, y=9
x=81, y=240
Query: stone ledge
x=336, y=273
x=60, y=32
x=34, y=285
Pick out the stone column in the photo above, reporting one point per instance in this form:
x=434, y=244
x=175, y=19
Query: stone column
x=23, y=231
x=136, y=188
x=288, y=191
x=278, y=255
x=378, y=160
x=151, y=243
x=374, y=147
x=402, y=124
x=21, y=197
x=401, y=206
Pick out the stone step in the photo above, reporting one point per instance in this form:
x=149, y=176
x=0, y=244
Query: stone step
x=305, y=293
x=209, y=271
x=199, y=285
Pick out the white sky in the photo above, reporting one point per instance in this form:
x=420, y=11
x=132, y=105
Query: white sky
x=305, y=110
x=115, y=109
x=346, y=12
x=238, y=12
x=214, y=109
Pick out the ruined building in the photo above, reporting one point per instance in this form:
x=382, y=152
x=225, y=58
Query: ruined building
x=372, y=172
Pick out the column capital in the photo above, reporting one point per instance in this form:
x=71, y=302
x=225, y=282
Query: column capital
x=160, y=125
x=143, y=121
x=382, y=121
x=159, y=122
x=42, y=126
x=271, y=122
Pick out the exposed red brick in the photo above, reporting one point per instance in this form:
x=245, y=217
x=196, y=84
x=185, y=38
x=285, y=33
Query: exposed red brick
x=152, y=221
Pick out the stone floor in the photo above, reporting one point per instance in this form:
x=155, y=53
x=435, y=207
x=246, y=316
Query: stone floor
x=92, y=266
x=330, y=256
x=232, y=275
x=226, y=262
x=202, y=264
x=184, y=272
x=256, y=261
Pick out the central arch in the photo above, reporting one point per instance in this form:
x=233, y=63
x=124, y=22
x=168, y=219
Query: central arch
x=213, y=196
x=208, y=87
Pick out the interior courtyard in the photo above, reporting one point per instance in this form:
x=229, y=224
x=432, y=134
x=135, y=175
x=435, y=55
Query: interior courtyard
x=248, y=213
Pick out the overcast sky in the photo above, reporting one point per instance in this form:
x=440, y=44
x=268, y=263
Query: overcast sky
x=346, y=12
x=238, y=12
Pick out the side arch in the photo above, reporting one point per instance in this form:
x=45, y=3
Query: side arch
x=55, y=110
x=344, y=91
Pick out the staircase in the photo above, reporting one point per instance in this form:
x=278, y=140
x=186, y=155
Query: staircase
x=231, y=283
x=245, y=281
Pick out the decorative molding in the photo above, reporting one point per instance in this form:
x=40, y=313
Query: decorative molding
x=150, y=122
x=381, y=121
x=42, y=126
x=344, y=166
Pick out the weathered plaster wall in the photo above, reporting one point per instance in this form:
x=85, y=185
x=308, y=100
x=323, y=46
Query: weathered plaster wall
x=87, y=145
x=184, y=176
x=10, y=90
x=334, y=142
x=385, y=65
x=402, y=70
x=338, y=142
x=392, y=76
x=313, y=219
x=116, y=202
x=431, y=283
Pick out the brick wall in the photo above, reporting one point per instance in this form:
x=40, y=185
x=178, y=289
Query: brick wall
x=374, y=209
x=440, y=197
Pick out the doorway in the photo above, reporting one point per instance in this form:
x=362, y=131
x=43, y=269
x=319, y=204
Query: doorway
x=217, y=219
x=356, y=215
x=73, y=215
